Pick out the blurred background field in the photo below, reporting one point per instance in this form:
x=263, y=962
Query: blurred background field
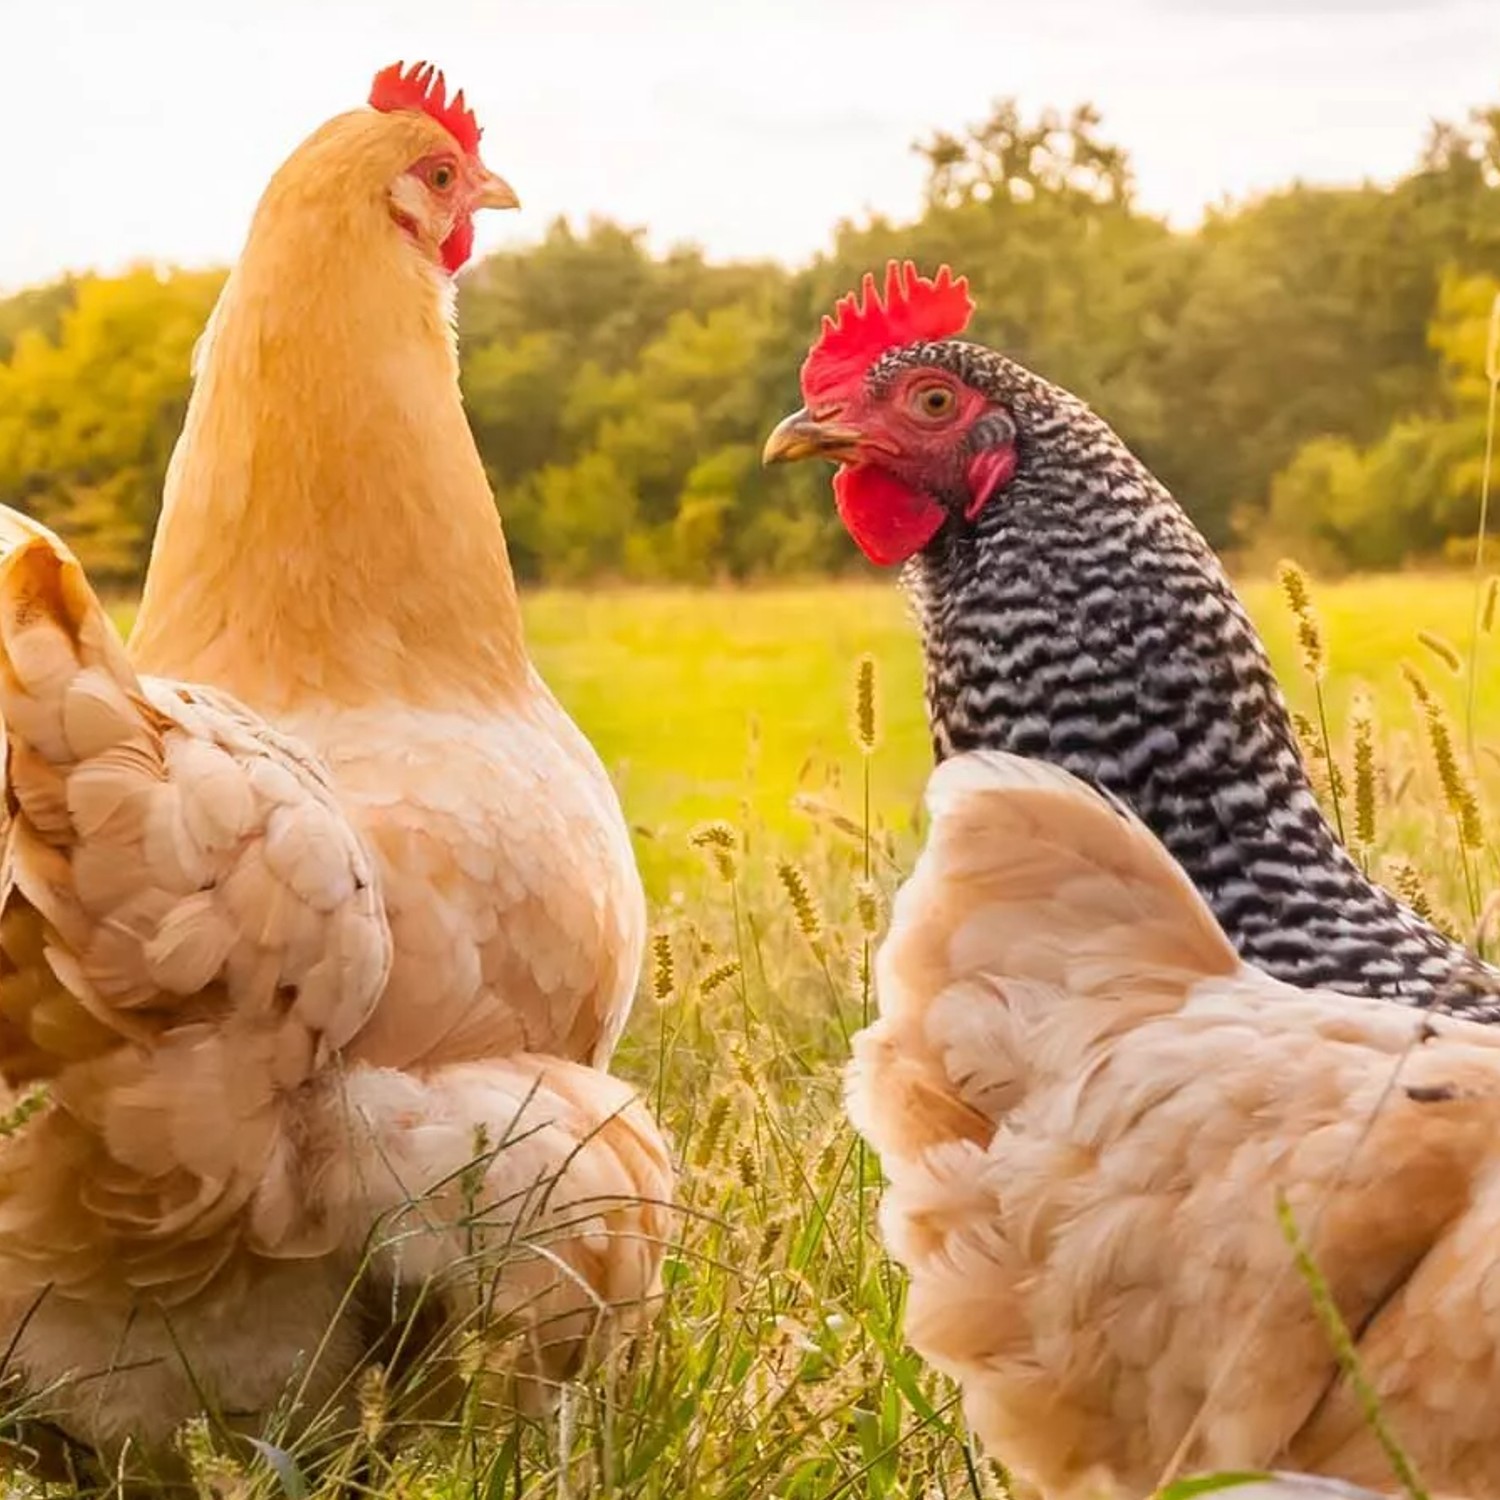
x=703, y=701
x=733, y=703
x=671, y=684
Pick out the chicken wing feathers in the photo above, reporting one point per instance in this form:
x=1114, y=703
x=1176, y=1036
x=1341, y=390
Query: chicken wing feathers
x=190, y=930
x=193, y=942
x=1087, y=1108
x=515, y=904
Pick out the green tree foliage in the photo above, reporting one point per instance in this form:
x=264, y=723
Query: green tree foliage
x=89, y=414
x=38, y=309
x=1418, y=485
x=1306, y=369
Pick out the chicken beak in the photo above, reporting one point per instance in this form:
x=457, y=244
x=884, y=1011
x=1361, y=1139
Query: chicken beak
x=802, y=435
x=494, y=192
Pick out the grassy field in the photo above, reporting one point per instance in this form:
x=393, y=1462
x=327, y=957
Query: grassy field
x=777, y=1369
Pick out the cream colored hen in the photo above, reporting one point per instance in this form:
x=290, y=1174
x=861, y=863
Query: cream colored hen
x=319, y=913
x=194, y=942
x=1087, y=1105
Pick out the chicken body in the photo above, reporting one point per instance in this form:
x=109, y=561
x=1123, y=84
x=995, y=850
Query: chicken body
x=330, y=553
x=1084, y=620
x=319, y=911
x=1071, y=611
x=1087, y=1105
x=517, y=916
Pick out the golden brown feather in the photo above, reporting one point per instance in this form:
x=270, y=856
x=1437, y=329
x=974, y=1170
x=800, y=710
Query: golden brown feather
x=1100, y=1266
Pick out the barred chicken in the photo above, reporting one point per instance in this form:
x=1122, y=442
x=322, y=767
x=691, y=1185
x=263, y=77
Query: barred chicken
x=1071, y=611
x=1099, y=1060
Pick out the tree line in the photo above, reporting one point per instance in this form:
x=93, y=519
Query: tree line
x=1310, y=370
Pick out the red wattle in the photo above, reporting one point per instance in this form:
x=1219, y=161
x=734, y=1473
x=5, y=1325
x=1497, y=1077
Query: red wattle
x=459, y=246
x=888, y=521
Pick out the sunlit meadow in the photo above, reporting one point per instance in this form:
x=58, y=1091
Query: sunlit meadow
x=774, y=820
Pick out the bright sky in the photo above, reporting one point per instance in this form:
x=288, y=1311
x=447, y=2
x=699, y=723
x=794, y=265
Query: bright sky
x=147, y=128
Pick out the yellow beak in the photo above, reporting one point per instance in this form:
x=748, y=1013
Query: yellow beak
x=495, y=192
x=802, y=435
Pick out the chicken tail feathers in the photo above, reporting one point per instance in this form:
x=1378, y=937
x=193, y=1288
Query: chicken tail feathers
x=190, y=928
x=1064, y=876
x=67, y=689
x=1039, y=889
x=1031, y=876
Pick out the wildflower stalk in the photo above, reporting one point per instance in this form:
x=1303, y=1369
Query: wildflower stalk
x=1492, y=376
x=718, y=976
x=770, y=1237
x=738, y=917
x=718, y=844
x=809, y=920
x=867, y=736
x=663, y=982
x=1314, y=661
x=1410, y=887
x=663, y=967
x=713, y=1129
x=1442, y=650
x=373, y=1396
x=1364, y=779
x=1458, y=788
x=799, y=892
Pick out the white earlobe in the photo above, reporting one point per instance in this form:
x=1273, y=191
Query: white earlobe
x=410, y=198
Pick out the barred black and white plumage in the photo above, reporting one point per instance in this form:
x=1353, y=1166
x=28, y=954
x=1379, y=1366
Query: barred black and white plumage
x=1070, y=611
x=1083, y=619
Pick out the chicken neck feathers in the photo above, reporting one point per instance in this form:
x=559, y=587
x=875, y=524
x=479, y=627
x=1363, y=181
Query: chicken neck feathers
x=1085, y=621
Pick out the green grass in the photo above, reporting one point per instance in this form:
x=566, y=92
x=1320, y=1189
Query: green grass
x=777, y=1368
x=698, y=700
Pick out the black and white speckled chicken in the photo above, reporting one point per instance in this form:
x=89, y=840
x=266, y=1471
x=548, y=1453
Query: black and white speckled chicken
x=1071, y=611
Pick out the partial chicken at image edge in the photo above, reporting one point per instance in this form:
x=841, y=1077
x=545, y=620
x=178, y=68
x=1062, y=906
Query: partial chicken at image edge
x=320, y=917
x=1089, y=1110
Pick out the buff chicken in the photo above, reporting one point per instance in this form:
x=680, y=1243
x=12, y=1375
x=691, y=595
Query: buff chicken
x=320, y=916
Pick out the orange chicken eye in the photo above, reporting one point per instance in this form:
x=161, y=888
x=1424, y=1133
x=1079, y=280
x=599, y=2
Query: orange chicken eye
x=933, y=402
x=442, y=176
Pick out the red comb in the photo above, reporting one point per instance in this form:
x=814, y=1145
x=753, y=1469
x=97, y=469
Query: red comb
x=422, y=89
x=863, y=326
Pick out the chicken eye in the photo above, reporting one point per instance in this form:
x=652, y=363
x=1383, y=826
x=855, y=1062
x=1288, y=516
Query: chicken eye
x=442, y=177
x=934, y=401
